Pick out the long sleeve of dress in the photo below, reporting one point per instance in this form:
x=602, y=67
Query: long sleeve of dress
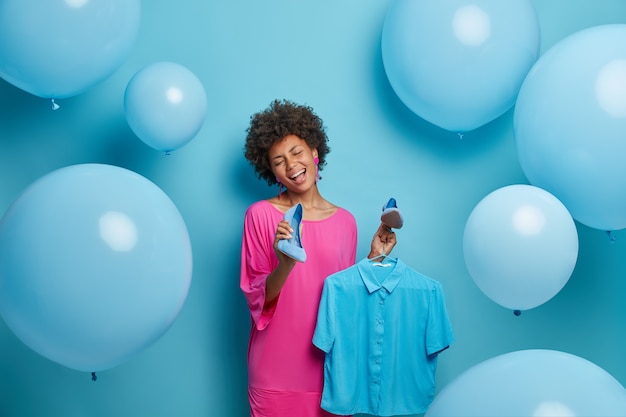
x=257, y=261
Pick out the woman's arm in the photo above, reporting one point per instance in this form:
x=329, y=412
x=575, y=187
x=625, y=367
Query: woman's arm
x=277, y=278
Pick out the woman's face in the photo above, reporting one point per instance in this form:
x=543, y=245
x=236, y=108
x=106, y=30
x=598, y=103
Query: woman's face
x=292, y=162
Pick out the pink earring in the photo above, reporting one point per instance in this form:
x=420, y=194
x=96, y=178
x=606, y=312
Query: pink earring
x=316, y=161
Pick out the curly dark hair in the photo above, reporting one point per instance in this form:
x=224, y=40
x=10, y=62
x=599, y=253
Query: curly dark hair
x=280, y=119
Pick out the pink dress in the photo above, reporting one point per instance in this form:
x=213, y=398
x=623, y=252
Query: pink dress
x=285, y=369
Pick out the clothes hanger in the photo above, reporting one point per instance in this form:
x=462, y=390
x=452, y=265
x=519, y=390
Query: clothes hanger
x=382, y=257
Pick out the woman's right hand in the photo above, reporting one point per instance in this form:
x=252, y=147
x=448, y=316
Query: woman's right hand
x=283, y=231
x=277, y=278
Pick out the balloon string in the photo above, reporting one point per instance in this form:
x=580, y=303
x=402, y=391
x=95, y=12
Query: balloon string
x=55, y=106
x=611, y=236
x=93, y=376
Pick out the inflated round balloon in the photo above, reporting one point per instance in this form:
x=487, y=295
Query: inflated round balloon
x=536, y=382
x=569, y=124
x=58, y=49
x=520, y=246
x=165, y=105
x=95, y=265
x=459, y=64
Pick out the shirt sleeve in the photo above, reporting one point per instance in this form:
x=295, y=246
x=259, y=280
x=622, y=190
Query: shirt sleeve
x=324, y=334
x=439, y=334
x=257, y=261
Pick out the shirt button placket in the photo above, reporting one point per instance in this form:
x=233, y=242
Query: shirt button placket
x=377, y=353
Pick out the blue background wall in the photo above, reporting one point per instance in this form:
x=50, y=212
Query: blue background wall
x=325, y=54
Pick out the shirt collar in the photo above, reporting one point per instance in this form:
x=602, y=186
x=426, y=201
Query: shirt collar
x=368, y=275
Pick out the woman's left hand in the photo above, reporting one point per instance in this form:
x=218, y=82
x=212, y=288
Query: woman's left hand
x=383, y=241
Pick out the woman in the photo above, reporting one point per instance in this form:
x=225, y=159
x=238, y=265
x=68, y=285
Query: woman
x=287, y=145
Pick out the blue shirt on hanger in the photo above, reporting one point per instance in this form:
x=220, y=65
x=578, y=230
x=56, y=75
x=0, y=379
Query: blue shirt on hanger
x=381, y=328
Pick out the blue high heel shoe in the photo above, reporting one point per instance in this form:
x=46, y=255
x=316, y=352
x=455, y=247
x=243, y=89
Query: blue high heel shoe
x=391, y=216
x=293, y=247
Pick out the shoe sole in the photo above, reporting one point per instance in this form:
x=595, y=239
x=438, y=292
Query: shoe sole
x=392, y=219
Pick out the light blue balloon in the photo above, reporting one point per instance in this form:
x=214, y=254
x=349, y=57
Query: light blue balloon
x=165, y=105
x=535, y=382
x=95, y=265
x=459, y=64
x=520, y=246
x=61, y=48
x=570, y=121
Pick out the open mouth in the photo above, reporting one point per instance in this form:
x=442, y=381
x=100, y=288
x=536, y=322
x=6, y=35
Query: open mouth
x=298, y=177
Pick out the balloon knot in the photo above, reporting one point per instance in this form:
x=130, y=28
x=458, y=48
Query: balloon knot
x=55, y=106
x=611, y=236
x=517, y=312
x=93, y=376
